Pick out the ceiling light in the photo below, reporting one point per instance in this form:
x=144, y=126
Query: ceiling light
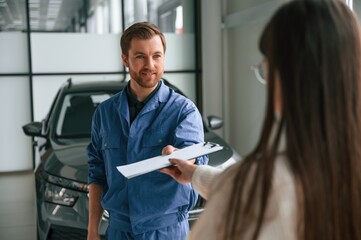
x=55, y=3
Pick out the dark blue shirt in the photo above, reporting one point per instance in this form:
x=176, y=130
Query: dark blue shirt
x=134, y=105
x=153, y=200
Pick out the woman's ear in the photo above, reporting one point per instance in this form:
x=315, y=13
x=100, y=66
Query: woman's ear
x=125, y=60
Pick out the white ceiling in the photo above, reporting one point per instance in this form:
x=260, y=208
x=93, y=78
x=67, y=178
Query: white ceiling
x=45, y=15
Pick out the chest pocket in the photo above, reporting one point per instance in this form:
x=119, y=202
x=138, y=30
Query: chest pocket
x=154, y=138
x=111, y=141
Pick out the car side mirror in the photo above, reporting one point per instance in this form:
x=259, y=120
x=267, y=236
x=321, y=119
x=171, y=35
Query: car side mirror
x=215, y=122
x=33, y=129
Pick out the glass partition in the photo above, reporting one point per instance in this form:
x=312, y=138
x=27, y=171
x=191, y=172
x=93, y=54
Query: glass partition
x=15, y=147
x=13, y=38
x=14, y=88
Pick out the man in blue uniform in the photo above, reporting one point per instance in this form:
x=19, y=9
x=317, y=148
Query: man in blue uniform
x=135, y=124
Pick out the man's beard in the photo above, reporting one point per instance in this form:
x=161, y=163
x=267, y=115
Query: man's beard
x=147, y=84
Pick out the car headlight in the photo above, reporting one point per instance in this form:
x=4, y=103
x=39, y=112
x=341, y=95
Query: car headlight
x=59, y=195
x=66, y=183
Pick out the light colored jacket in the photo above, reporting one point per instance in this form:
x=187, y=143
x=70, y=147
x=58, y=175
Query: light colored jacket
x=280, y=217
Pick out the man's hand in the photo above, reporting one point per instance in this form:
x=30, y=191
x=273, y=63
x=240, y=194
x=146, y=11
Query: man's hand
x=168, y=150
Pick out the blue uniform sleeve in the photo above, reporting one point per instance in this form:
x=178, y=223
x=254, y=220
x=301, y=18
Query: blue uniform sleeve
x=96, y=169
x=190, y=130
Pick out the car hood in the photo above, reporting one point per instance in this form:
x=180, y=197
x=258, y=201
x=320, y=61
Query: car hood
x=70, y=161
x=219, y=157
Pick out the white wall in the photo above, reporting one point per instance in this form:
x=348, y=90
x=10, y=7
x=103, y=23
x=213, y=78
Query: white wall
x=15, y=147
x=246, y=20
x=231, y=30
x=13, y=53
x=75, y=52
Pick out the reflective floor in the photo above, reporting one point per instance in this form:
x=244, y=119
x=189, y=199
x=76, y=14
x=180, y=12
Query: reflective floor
x=17, y=206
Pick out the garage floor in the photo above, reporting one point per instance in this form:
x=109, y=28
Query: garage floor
x=17, y=206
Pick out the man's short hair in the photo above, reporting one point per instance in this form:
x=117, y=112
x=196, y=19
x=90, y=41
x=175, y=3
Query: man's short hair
x=140, y=30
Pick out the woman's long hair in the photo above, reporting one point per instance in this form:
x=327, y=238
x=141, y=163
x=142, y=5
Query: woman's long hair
x=314, y=47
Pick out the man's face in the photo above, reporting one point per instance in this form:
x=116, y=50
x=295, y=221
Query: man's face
x=145, y=61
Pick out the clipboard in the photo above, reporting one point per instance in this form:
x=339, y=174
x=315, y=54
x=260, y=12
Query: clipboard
x=159, y=162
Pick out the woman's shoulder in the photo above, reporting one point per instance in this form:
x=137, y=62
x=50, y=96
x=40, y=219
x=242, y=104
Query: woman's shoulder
x=281, y=213
x=282, y=175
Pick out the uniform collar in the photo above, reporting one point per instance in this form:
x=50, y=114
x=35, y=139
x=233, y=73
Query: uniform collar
x=160, y=96
x=132, y=100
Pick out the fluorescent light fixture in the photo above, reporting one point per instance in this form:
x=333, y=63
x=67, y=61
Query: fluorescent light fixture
x=179, y=18
x=115, y=18
x=54, y=5
x=99, y=17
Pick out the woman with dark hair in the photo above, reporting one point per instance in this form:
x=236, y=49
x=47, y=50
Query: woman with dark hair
x=303, y=179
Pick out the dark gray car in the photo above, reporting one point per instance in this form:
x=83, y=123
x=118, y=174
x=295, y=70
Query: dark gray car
x=61, y=177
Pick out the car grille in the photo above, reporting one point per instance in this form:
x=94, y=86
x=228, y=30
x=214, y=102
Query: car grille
x=67, y=233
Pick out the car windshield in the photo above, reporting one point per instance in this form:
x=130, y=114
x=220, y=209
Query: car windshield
x=76, y=113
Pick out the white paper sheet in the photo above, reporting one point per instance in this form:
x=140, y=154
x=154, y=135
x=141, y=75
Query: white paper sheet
x=155, y=163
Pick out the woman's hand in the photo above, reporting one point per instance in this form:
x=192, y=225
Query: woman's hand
x=181, y=170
